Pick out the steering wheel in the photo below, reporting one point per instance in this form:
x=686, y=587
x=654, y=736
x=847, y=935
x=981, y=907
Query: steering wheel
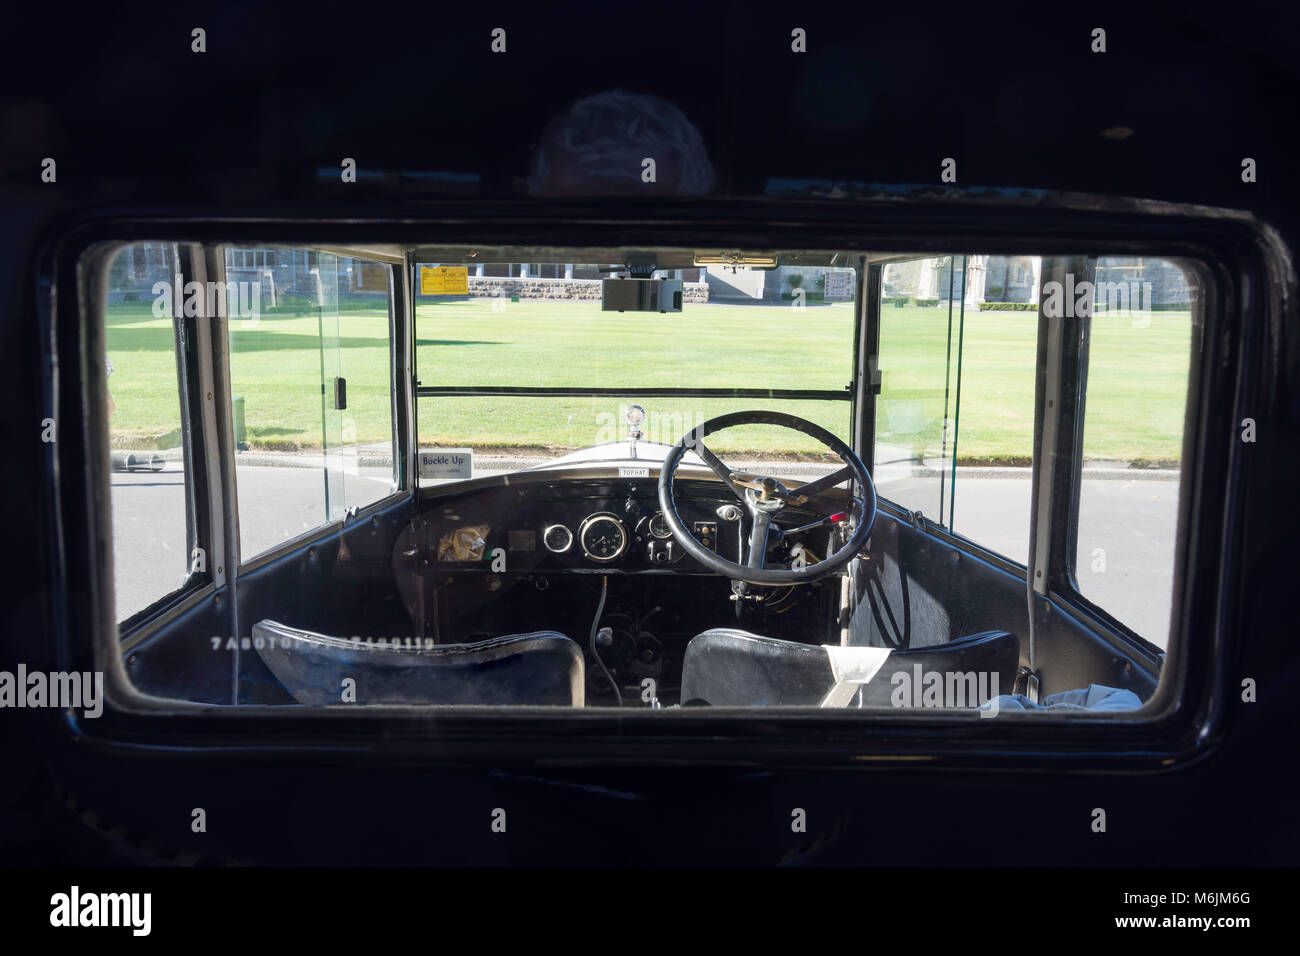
x=765, y=498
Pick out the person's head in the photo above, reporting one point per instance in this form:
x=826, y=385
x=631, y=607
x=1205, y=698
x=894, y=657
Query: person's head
x=599, y=145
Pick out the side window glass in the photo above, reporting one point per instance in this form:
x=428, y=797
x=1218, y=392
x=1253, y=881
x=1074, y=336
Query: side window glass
x=152, y=537
x=913, y=452
x=1139, y=359
x=955, y=417
x=311, y=388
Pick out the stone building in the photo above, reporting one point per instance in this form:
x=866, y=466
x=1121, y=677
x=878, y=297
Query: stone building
x=977, y=279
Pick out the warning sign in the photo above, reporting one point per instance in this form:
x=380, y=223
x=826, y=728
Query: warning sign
x=444, y=280
x=839, y=285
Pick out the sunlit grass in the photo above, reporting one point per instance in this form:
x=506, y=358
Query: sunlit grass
x=1136, y=392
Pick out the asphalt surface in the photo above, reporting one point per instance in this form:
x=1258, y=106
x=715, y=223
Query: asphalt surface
x=275, y=505
x=1131, y=521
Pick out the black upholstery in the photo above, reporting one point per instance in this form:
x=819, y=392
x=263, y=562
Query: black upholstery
x=728, y=667
x=544, y=667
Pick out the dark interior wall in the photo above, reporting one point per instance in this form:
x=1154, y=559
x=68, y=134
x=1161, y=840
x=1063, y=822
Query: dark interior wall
x=341, y=584
x=181, y=662
x=913, y=590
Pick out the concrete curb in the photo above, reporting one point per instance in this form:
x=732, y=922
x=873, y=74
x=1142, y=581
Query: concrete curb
x=376, y=460
x=1098, y=472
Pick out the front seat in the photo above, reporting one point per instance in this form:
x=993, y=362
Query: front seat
x=543, y=667
x=728, y=667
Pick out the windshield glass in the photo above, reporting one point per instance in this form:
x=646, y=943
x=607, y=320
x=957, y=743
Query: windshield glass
x=519, y=365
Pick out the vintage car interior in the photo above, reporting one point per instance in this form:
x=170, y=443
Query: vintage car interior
x=646, y=568
x=720, y=435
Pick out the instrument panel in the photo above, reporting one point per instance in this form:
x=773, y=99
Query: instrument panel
x=576, y=525
x=509, y=552
x=602, y=537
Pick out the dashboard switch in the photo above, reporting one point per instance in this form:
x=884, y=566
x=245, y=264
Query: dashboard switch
x=706, y=532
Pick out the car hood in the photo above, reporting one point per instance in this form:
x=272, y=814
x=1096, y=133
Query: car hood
x=621, y=451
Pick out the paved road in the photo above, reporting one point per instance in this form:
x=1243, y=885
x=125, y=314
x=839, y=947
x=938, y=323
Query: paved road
x=1131, y=520
x=276, y=504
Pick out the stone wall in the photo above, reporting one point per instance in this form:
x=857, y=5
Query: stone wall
x=814, y=277
x=1161, y=280
x=561, y=289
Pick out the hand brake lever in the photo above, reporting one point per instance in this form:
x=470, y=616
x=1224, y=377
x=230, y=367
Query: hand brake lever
x=829, y=519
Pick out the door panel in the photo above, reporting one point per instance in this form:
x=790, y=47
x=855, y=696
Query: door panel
x=340, y=583
x=917, y=590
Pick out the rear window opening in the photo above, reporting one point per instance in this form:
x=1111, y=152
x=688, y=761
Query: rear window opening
x=430, y=477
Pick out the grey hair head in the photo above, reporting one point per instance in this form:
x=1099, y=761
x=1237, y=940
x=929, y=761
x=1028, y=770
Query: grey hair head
x=597, y=148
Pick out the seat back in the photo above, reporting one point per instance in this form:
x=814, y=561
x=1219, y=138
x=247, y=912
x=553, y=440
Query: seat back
x=728, y=667
x=543, y=667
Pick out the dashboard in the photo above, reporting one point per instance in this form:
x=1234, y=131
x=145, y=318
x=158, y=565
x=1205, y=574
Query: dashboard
x=569, y=526
x=526, y=552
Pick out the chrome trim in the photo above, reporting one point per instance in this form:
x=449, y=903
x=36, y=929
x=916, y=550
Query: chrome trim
x=548, y=529
x=591, y=521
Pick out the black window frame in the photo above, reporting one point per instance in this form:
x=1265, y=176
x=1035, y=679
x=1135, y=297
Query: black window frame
x=1244, y=262
x=192, y=433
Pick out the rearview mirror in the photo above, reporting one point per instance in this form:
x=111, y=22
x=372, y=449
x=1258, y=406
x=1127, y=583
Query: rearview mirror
x=641, y=295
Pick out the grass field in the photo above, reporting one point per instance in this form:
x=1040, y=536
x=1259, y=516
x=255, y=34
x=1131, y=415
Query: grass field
x=1136, y=386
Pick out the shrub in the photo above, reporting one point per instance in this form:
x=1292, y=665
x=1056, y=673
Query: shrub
x=1159, y=307
x=292, y=305
x=1008, y=307
x=926, y=303
x=794, y=280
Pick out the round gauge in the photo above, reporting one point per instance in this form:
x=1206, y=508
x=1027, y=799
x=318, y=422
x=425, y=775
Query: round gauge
x=557, y=538
x=603, y=537
x=659, y=527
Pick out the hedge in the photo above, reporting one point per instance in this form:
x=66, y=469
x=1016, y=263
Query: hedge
x=899, y=301
x=1008, y=307
x=1161, y=307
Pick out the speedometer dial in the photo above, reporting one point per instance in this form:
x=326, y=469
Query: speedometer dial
x=603, y=537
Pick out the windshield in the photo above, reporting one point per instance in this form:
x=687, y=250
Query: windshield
x=519, y=366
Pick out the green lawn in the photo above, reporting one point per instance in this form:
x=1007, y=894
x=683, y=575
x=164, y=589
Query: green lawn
x=1136, y=385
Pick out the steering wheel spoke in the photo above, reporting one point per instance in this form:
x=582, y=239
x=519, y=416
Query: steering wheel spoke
x=814, y=488
x=758, y=536
x=715, y=463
